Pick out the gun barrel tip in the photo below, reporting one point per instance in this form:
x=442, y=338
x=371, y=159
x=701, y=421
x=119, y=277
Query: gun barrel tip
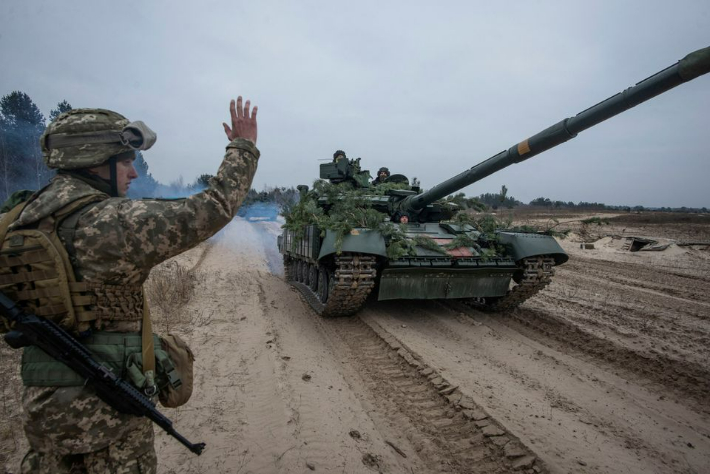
x=198, y=448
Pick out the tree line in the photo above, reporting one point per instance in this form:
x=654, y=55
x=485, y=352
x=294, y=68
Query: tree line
x=21, y=125
x=22, y=167
x=21, y=164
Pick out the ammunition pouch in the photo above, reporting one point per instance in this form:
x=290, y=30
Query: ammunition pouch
x=121, y=353
x=179, y=354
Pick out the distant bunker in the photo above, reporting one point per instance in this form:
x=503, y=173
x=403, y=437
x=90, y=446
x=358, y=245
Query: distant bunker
x=634, y=244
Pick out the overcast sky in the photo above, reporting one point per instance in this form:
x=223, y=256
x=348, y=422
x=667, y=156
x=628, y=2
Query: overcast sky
x=427, y=90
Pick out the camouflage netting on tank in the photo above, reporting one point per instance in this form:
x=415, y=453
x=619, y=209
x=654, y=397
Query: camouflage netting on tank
x=349, y=208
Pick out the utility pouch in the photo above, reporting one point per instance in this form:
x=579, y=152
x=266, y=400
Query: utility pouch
x=173, y=371
x=181, y=359
x=121, y=354
x=118, y=352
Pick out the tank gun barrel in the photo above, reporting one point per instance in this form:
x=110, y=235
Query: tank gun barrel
x=693, y=65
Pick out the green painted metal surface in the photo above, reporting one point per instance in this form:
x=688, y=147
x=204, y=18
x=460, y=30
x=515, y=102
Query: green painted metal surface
x=529, y=245
x=359, y=240
x=442, y=283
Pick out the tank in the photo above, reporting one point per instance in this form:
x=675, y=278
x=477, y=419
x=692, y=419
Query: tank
x=350, y=238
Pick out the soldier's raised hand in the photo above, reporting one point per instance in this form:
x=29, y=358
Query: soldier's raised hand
x=243, y=122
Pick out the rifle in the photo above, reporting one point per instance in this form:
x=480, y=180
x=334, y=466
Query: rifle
x=29, y=329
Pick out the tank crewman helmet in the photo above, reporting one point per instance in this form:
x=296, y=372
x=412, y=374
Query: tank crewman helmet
x=84, y=138
x=384, y=170
x=338, y=155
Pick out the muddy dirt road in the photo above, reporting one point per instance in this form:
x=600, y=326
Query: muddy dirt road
x=605, y=371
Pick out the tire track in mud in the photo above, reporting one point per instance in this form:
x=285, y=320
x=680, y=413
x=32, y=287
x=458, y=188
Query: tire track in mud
x=518, y=379
x=658, y=326
x=665, y=301
x=690, y=288
x=685, y=379
x=449, y=431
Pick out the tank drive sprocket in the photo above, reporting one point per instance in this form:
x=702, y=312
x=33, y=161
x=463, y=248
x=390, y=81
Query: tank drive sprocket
x=537, y=274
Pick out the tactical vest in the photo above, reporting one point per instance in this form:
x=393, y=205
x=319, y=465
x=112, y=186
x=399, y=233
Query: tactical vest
x=36, y=272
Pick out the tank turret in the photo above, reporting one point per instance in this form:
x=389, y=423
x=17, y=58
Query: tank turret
x=349, y=237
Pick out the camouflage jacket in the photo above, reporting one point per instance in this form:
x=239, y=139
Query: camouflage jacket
x=117, y=241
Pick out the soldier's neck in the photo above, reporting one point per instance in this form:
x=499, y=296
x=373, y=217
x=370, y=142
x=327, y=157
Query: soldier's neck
x=92, y=180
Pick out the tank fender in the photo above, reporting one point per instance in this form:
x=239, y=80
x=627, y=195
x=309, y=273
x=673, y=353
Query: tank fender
x=523, y=245
x=358, y=240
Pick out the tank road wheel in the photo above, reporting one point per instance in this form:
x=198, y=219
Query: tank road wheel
x=313, y=277
x=305, y=273
x=294, y=274
x=336, y=288
x=323, y=284
x=300, y=273
x=296, y=267
x=288, y=268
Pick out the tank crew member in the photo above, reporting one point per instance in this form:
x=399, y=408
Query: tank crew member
x=338, y=155
x=382, y=176
x=400, y=217
x=113, y=242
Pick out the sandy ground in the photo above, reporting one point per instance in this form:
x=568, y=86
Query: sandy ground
x=605, y=371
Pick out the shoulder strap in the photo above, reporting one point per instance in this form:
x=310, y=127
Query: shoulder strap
x=9, y=218
x=67, y=218
x=147, y=347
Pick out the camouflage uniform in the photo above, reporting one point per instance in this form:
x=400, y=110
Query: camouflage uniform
x=118, y=241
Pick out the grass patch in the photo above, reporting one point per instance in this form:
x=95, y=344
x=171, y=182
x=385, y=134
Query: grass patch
x=168, y=289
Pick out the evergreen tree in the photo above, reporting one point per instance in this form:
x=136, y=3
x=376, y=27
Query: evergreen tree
x=500, y=199
x=21, y=164
x=62, y=107
x=541, y=201
x=202, y=182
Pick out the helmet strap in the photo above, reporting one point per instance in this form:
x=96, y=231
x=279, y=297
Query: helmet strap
x=113, y=176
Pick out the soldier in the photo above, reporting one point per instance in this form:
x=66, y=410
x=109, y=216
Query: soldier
x=382, y=175
x=338, y=155
x=113, y=242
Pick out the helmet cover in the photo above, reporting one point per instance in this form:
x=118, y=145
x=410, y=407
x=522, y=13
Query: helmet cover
x=80, y=122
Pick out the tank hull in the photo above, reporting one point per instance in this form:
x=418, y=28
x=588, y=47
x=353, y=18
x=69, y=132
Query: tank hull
x=458, y=273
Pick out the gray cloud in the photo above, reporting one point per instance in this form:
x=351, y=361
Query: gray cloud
x=428, y=90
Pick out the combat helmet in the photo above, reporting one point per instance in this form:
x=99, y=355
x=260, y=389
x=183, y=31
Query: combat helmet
x=83, y=138
x=385, y=170
x=338, y=155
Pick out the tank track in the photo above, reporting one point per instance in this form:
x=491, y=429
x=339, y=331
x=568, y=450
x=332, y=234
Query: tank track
x=537, y=274
x=348, y=285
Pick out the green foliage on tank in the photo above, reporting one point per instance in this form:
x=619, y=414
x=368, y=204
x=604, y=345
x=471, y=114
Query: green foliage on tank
x=344, y=203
